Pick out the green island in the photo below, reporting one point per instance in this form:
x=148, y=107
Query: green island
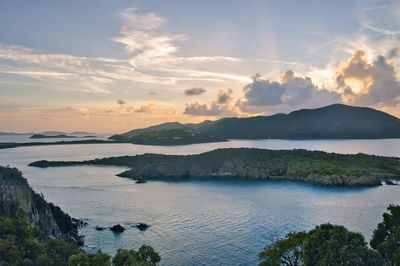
x=10, y=145
x=42, y=136
x=315, y=167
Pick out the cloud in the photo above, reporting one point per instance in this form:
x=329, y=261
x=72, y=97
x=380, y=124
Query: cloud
x=198, y=109
x=221, y=107
x=143, y=21
x=146, y=109
x=120, y=102
x=288, y=91
x=394, y=52
x=150, y=45
x=224, y=96
x=83, y=112
x=110, y=110
x=151, y=59
x=194, y=91
x=372, y=84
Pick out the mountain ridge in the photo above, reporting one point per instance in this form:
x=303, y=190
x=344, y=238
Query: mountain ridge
x=336, y=121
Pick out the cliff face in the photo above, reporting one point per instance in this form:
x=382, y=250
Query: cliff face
x=18, y=199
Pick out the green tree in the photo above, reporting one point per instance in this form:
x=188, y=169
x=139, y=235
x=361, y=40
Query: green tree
x=287, y=251
x=386, y=238
x=59, y=251
x=325, y=245
x=144, y=256
x=334, y=245
x=90, y=259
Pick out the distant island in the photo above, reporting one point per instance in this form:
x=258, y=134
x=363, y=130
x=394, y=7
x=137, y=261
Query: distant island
x=44, y=133
x=10, y=145
x=335, y=121
x=41, y=136
x=316, y=167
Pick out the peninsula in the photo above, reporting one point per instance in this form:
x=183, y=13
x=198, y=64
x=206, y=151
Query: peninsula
x=315, y=167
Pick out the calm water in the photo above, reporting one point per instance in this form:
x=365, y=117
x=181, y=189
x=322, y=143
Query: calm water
x=201, y=222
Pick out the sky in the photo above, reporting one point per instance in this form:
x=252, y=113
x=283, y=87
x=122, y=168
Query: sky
x=112, y=66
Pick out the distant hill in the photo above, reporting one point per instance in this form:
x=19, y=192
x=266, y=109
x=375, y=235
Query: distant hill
x=41, y=136
x=335, y=121
x=44, y=133
x=14, y=134
x=61, y=133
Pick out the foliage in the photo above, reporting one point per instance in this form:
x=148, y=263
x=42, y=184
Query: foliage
x=334, y=245
x=89, y=259
x=325, y=245
x=386, y=238
x=18, y=246
x=144, y=256
x=284, y=252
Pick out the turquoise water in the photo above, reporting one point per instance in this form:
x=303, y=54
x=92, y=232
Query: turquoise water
x=201, y=222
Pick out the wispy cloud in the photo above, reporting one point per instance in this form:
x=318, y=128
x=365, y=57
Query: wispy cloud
x=151, y=59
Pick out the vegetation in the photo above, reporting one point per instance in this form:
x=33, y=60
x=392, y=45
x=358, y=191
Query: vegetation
x=168, y=136
x=20, y=246
x=335, y=121
x=386, y=238
x=334, y=245
x=255, y=164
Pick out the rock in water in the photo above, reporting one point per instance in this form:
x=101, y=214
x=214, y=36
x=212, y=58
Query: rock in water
x=142, y=226
x=117, y=228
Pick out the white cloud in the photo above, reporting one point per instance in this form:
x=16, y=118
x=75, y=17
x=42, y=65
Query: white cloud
x=144, y=21
x=372, y=84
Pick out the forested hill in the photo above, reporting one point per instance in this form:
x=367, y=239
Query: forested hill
x=335, y=121
x=314, y=167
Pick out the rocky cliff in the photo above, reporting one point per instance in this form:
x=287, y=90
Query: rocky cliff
x=17, y=199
